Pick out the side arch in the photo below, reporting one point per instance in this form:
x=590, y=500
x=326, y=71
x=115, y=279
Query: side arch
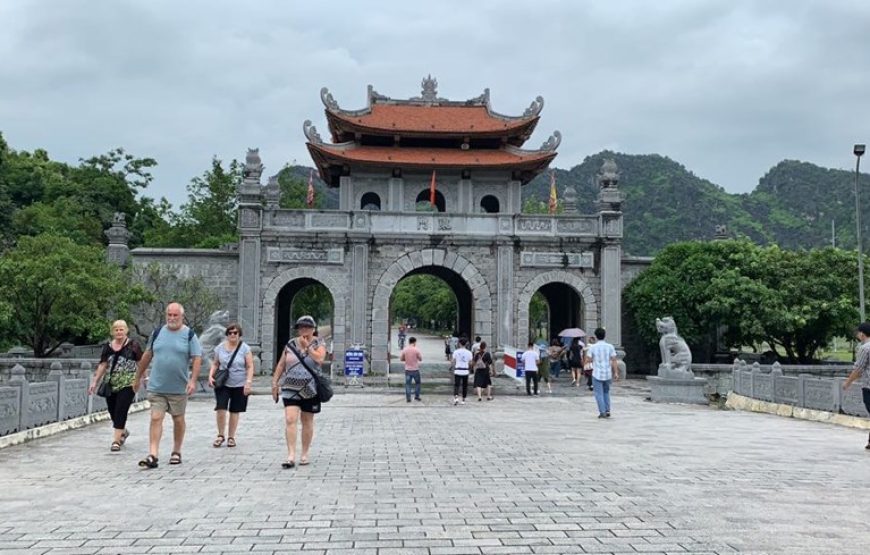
x=336, y=286
x=408, y=262
x=590, y=304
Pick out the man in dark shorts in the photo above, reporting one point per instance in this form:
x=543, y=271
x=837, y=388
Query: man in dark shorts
x=861, y=370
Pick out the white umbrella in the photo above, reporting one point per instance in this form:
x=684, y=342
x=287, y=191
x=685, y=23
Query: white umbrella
x=572, y=332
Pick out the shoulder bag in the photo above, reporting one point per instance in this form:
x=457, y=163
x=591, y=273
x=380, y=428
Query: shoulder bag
x=323, y=383
x=105, y=388
x=222, y=374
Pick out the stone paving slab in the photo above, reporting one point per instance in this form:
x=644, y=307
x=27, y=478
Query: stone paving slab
x=516, y=475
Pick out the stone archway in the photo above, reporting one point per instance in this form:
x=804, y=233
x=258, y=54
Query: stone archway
x=337, y=288
x=408, y=262
x=590, y=305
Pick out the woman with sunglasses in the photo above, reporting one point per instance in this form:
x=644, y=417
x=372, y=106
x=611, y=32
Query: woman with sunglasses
x=234, y=355
x=293, y=382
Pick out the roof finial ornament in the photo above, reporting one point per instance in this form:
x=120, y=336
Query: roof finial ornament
x=535, y=107
x=311, y=133
x=328, y=100
x=553, y=142
x=253, y=164
x=430, y=89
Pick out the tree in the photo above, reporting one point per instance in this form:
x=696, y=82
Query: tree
x=294, y=191
x=164, y=285
x=797, y=301
x=60, y=291
x=313, y=300
x=425, y=298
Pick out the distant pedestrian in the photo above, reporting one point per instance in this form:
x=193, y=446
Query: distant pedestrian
x=587, y=364
x=461, y=366
x=448, y=352
x=605, y=369
x=531, y=358
x=861, y=369
x=544, y=367
x=482, y=364
x=234, y=356
x=554, y=353
x=294, y=383
x=120, y=356
x=177, y=357
x=575, y=361
x=412, y=358
x=476, y=345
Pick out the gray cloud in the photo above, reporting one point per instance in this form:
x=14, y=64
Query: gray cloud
x=728, y=88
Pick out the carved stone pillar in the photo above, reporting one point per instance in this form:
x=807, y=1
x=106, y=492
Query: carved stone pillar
x=359, y=290
x=345, y=193
x=611, y=292
x=250, y=196
x=505, y=297
x=396, y=202
x=118, y=252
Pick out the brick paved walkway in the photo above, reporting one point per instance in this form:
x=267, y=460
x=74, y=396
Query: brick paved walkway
x=518, y=475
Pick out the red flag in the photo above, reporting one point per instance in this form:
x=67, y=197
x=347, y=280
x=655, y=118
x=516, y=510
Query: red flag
x=309, y=199
x=432, y=190
x=553, y=200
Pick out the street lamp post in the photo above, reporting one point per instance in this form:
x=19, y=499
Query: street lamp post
x=859, y=151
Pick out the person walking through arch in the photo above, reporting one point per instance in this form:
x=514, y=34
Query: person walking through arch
x=235, y=361
x=531, y=357
x=482, y=364
x=461, y=366
x=412, y=358
x=575, y=361
x=177, y=357
x=295, y=385
x=604, y=370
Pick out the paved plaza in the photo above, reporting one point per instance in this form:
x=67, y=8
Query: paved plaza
x=516, y=475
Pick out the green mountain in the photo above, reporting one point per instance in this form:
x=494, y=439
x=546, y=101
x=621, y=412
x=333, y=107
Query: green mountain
x=793, y=204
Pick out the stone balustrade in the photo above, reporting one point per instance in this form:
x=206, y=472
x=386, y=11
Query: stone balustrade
x=38, y=369
x=63, y=395
x=720, y=376
x=802, y=390
x=439, y=223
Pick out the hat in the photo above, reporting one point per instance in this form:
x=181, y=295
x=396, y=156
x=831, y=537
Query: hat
x=306, y=321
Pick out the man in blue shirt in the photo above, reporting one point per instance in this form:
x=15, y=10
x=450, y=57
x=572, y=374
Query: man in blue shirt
x=605, y=368
x=174, y=348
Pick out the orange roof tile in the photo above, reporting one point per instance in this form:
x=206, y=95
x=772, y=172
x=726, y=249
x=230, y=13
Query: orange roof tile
x=432, y=157
x=430, y=119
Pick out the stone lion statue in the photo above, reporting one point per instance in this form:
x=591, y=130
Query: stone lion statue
x=676, y=355
x=214, y=332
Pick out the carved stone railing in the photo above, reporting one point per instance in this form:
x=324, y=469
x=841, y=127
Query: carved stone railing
x=803, y=390
x=440, y=223
x=63, y=395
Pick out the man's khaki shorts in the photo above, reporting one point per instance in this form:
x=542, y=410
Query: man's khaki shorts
x=175, y=405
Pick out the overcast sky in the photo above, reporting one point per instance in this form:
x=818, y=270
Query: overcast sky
x=728, y=88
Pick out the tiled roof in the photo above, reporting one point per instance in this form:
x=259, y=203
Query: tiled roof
x=470, y=120
x=433, y=157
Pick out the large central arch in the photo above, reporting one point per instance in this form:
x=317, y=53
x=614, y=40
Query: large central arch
x=590, y=305
x=408, y=264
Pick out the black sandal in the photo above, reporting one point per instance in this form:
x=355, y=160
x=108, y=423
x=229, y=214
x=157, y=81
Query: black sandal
x=288, y=464
x=218, y=441
x=231, y=442
x=148, y=462
x=175, y=458
x=116, y=446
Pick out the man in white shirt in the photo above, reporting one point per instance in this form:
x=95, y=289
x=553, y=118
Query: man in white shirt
x=605, y=368
x=530, y=357
x=461, y=364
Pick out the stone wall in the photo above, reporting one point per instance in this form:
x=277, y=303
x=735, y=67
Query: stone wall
x=801, y=390
x=720, y=377
x=219, y=269
x=62, y=394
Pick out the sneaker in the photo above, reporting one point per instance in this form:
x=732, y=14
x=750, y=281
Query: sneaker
x=407, y=400
x=455, y=401
x=463, y=402
x=601, y=415
x=479, y=399
x=417, y=399
x=590, y=388
x=536, y=393
x=607, y=414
